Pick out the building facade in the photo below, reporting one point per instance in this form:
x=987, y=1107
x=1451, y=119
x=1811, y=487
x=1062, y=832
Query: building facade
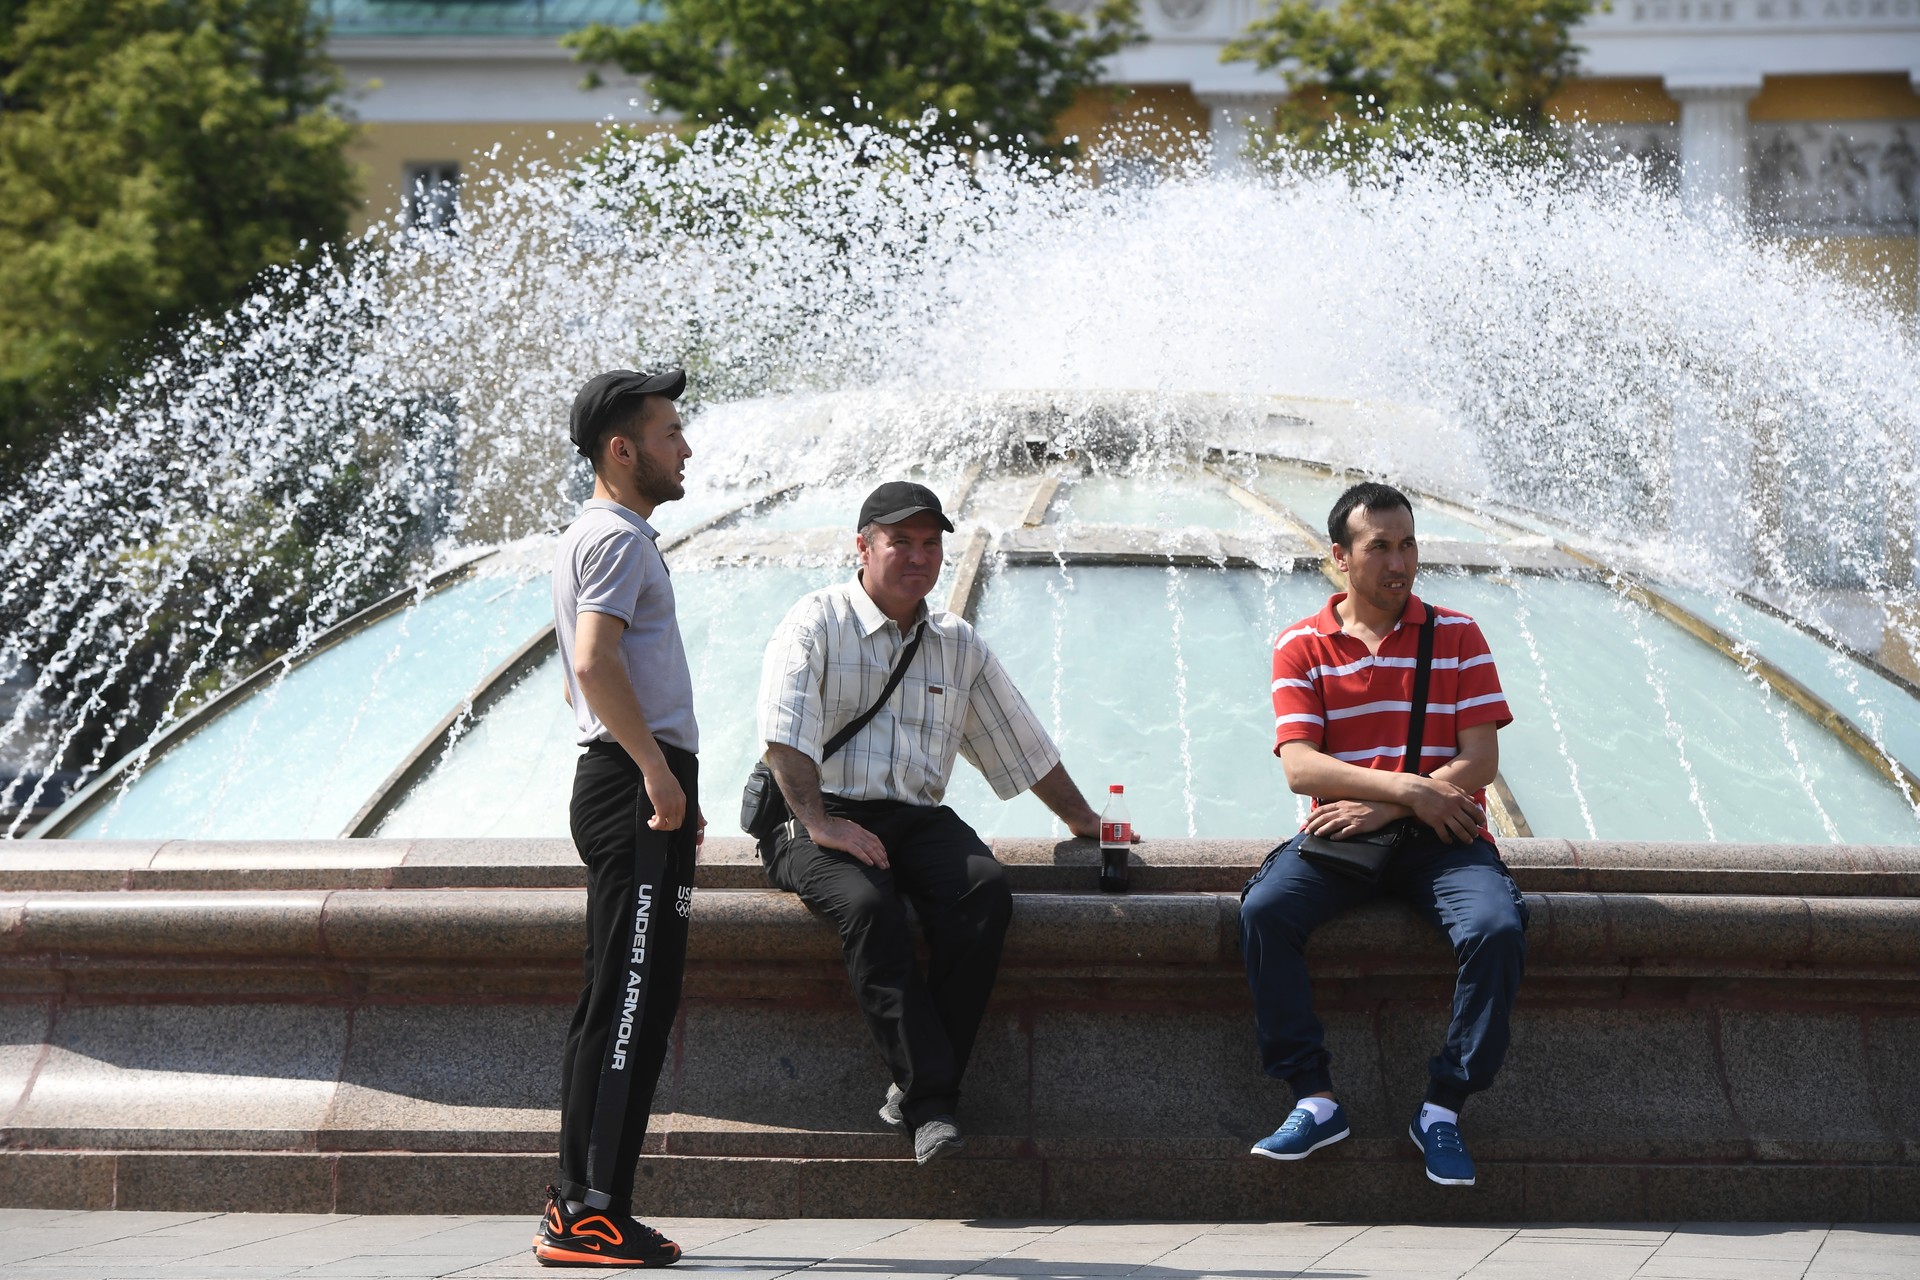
x=1802, y=116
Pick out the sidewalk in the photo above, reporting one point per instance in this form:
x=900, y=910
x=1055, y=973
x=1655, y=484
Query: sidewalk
x=109, y=1246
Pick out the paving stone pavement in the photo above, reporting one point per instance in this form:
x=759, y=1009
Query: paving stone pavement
x=48, y=1245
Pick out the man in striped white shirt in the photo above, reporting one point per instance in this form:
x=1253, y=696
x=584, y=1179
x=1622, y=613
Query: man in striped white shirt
x=1343, y=682
x=869, y=827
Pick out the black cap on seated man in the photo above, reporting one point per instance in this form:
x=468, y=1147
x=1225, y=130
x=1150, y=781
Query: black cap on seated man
x=895, y=500
x=869, y=829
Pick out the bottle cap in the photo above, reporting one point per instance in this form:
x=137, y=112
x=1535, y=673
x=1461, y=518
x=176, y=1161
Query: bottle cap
x=1116, y=789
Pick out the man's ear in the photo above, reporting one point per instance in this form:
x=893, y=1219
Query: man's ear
x=619, y=448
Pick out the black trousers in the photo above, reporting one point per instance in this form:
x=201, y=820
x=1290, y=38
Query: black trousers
x=924, y=1026
x=639, y=897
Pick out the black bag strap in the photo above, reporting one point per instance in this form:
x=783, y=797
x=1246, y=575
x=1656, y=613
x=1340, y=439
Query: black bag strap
x=845, y=736
x=1417, y=713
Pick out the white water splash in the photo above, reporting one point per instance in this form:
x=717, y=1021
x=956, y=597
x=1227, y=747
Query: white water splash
x=1568, y=343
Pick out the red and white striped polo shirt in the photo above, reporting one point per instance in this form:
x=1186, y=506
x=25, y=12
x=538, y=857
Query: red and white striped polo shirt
x=1328, y=690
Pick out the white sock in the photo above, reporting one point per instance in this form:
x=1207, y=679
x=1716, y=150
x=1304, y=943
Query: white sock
x=575, y=1207
x=1321, y=1108
x=1429, y=1113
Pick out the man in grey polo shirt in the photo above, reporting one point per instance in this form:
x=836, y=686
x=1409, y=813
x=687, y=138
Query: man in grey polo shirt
x=869, y=828
x=635, y=812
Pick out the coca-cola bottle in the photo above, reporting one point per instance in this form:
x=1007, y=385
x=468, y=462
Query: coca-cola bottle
x=1116, y=834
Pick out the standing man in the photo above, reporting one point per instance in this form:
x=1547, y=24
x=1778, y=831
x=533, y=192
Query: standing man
x=635, y=814
x=1343, y=682
x=868, y=827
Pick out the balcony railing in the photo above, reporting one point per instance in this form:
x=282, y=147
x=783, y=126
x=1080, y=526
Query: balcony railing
x=475, y=17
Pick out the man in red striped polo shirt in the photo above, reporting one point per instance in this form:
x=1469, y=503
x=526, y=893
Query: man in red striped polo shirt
x=1342, y=688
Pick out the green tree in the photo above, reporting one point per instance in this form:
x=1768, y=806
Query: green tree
x=155, y=155
x=1380, y=67
x=998, y=72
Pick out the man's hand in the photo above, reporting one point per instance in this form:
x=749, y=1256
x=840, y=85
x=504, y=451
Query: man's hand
x=830, y=832
x=799, y=779
x=664, y=793
x=700, y=830
x=1057, y=791
x=1088, y=828
x=1451, y=812
x=1344, y=819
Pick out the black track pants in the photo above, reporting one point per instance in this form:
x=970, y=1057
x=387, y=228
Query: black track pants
x=639, y=895
x=925, y=1027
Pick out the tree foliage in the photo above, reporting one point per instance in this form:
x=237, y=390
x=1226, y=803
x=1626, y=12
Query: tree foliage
x=155, y=155
x=998, y=72
x=1383, y=66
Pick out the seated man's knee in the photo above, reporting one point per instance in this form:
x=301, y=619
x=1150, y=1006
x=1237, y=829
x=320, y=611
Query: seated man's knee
x=859, y=903
x=1272, y=916
x=991, y=889
x=1496, y=930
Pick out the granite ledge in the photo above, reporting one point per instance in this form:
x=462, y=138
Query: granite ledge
x=1577, y=930
x=1036, y=865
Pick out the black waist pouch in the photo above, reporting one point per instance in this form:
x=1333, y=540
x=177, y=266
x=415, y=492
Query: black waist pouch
x=1364, y=858
x=762, y=807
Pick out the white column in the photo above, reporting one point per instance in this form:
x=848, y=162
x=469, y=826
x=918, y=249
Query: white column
x=1231, y=119
x=1713, y=141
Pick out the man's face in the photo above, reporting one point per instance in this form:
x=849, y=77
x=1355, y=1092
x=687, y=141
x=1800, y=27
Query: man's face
x=1380, y=558
x=902, y=560
x=654, y=456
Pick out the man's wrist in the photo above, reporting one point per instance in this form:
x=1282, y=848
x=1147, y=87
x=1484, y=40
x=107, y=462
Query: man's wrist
x=651, y=759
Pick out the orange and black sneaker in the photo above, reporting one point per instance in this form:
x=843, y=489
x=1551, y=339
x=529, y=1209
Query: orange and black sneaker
x=598, y=1238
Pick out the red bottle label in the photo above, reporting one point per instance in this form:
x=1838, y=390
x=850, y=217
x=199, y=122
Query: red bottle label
x=1116, y=833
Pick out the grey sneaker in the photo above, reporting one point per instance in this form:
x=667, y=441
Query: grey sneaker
x=890, y=1113
x=935, y=1138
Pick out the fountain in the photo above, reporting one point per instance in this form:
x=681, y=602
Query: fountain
x=283, y=613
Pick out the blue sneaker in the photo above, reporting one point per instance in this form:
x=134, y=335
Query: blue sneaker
x=1447, y=1160
x=1299, y=1137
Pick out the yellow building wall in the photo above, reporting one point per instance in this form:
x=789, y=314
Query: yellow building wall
x=385, y=150
x=1854, y=97
x=1887, y=267
x=1162, y=119
x=1615, y=100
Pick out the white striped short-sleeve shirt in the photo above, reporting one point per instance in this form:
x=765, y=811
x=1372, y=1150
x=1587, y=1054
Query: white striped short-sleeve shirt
x=828, y=662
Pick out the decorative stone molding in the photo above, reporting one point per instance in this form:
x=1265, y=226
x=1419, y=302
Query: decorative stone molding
x=1655, y=146
x=1844, y=178
x=1184, y=15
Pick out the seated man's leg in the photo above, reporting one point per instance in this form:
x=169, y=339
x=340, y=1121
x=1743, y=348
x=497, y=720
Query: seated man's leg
x=865, y=908
x=1466, y=891
x=1281, y=908
x=965, y=902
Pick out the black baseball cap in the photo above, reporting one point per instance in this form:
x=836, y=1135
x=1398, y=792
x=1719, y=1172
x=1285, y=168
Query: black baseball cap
x=597, y=407
x=895, y=500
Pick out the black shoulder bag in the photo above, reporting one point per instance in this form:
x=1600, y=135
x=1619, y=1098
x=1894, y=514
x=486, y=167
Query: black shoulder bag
x=762, y=808
x=1365, y=857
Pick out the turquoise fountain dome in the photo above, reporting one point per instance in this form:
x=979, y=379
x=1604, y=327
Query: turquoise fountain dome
x=1135, y=599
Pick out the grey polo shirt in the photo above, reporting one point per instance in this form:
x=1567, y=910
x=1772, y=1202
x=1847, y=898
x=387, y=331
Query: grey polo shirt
x=607, y=563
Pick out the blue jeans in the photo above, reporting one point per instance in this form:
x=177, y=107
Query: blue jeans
x=1462, y=888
